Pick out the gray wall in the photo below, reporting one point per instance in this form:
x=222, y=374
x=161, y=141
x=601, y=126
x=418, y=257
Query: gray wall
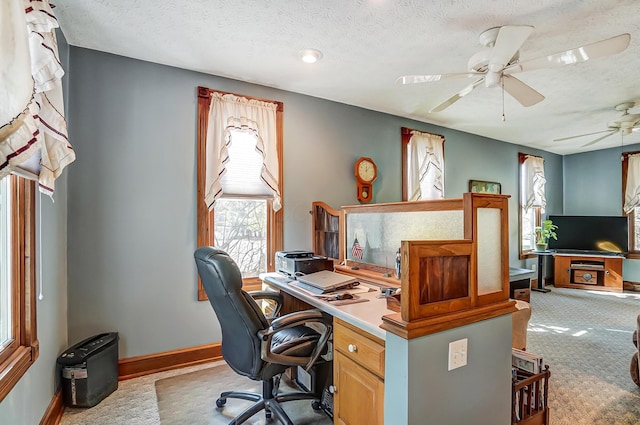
x=419, y=388
x=132, y=190
x=28, y=400
x=593, y=186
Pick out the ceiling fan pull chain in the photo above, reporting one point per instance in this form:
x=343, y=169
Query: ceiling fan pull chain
x=502, y=86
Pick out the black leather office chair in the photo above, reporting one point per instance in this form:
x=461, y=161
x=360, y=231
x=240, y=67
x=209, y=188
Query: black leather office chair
x=251, y=345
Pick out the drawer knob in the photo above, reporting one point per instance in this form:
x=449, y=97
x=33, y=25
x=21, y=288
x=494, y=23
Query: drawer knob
x=333, y=389
x=352, y=348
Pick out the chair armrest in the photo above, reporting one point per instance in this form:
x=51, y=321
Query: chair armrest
x=297, y=318
x=288, y=321
x=274, y=296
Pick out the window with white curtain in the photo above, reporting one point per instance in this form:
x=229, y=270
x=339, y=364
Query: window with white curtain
x=240, y=180
x=532, y=200
x=630, y=201
x=241, y=220
x=34, y=146
x=422, y=165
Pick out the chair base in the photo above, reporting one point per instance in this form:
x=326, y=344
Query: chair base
x=266, y=402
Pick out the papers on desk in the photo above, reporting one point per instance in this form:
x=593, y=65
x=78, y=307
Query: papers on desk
x=360, y=289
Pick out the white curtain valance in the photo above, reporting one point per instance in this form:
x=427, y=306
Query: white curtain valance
x=425, y=166
x=33, y=131
x=533, y=181
x=632, y=191
x=229, y=112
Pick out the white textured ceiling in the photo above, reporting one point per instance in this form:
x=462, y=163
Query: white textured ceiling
x=367, y=44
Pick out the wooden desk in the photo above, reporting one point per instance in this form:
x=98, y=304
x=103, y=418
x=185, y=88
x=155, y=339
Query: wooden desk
x=364, y=315
x=359, y=351
x=384, y=372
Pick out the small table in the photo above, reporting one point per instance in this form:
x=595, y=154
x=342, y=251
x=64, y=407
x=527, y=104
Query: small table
x=541, y=259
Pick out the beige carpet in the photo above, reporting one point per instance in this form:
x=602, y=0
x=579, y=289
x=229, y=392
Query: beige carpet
x=191, y=399
x=585, y=338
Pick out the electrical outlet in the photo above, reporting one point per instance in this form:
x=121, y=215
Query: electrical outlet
x=457, y=353
x=534, y=267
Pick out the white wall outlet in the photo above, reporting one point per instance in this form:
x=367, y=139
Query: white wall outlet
x=457, y=353
x=534, y=267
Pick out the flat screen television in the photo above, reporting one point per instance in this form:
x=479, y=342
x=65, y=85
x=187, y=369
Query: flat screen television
x=590, y=234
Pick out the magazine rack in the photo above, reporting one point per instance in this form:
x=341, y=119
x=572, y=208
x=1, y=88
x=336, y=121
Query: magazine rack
x=529, y=398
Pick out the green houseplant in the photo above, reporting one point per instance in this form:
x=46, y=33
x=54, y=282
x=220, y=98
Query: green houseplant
x=543, y=233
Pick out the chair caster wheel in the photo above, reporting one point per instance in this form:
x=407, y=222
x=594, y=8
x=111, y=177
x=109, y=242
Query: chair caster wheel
x=221, y=402
x=315, y=405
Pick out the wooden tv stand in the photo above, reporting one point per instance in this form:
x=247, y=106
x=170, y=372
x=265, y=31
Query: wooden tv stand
x=599, y=272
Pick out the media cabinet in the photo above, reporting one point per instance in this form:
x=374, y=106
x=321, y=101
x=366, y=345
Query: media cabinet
x=599, y=272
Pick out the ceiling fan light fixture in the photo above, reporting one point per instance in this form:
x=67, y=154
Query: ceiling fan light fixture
x=310, y=55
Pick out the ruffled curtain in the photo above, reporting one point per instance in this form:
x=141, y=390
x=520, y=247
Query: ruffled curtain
x=425, y=160
x=33, y=131
x=632, y=191
x=533, y=182
x=229, y=112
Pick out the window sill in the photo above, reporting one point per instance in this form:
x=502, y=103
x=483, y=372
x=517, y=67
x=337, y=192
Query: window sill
x=526, y=255
x=14, y=367
x=248, y=284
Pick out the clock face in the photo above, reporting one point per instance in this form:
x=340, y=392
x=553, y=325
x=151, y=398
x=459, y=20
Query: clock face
x=366, y=171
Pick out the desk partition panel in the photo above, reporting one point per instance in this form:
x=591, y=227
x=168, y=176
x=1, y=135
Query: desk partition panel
x=375, y=237
x=453, y=252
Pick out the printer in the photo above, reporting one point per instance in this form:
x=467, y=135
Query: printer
x=294, y=263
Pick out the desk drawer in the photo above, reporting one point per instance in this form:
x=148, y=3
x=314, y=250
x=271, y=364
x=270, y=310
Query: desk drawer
x=361, y=347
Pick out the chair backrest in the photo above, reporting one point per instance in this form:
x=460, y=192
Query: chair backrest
x=239, y=316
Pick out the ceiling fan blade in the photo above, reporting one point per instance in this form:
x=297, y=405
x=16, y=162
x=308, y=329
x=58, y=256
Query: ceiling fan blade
x=579, y=54
x=583, y=135
x=520, y=91
x=429, y=78
x=508, y=42
x=628, y=119
x=453, y=99
x=601, y=138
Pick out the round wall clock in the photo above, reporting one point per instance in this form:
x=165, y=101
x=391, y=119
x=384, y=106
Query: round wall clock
x=366, y=172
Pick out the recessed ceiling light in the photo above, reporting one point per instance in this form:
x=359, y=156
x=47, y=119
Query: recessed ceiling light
x=310, y=55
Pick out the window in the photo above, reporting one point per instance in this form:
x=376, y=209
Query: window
x=531, y=201
x=628, y=176
x=422, y=165
x=6, y=318
x=245, y=226
x=241, y=231
x=18, y=340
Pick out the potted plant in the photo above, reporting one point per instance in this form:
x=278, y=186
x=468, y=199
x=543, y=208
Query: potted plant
x=543, y=233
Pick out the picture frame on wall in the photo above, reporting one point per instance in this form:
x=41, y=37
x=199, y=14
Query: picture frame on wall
x=481, y=186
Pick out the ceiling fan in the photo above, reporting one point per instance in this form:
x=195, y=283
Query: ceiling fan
x=495, y=65
x=624, y=125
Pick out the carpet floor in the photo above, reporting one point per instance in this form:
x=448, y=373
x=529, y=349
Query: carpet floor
x=584, y=336
x=204, y=387
x=586, y=339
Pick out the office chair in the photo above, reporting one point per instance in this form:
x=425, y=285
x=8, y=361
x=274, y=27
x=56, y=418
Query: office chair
x=251, y=345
